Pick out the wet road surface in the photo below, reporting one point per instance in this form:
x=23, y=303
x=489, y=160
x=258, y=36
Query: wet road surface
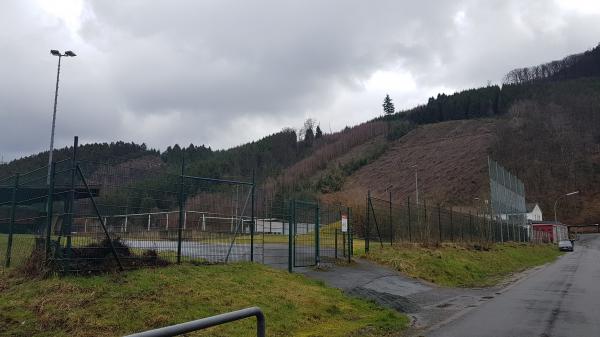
x=562, y=299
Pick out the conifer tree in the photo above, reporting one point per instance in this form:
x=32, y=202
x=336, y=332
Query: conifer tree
x=388, y=106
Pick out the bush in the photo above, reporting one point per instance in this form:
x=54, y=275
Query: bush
x=332, y=181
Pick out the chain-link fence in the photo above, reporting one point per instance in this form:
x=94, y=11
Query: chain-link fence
x=389, y=221
x=86, y=217
x=22, y=215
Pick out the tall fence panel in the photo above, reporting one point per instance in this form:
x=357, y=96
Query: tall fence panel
x=158, y=216
x=334, y=233
x=23, y=201
x=89, y=217
x=390, y=221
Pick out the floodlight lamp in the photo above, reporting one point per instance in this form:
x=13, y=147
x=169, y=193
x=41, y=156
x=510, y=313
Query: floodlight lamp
x=70, y=53
x=55, y=52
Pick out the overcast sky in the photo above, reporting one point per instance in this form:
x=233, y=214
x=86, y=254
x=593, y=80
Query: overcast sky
x=222, y=73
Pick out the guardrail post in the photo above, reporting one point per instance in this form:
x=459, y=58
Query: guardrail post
x=50, y=210
x=13, y=210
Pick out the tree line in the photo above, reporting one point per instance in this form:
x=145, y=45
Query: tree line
x=113, y=152
x=584, y=64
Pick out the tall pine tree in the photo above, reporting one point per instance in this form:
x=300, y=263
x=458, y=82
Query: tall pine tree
x=318, y=132
x=388, y=106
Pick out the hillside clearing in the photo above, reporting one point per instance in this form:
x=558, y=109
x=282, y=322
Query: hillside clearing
x=461, y=266
x=118, y=304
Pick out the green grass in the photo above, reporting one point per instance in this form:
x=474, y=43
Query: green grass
x=22, y=246
x=461, y=266
x=326, y=232
x=118, y=304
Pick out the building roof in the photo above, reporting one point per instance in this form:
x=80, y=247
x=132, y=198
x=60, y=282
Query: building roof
x=530, y=206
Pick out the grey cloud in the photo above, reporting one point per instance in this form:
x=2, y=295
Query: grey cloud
x=163, y=72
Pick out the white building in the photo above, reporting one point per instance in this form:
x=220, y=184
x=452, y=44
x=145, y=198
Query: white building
x=534, y=212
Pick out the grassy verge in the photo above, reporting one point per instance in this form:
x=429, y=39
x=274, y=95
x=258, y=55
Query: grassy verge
x=460, y=266
x=119, y=304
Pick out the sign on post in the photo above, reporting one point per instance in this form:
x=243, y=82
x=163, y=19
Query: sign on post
x=344, y=223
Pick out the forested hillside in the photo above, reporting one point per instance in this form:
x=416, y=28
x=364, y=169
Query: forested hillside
x=551, y=139
x=115, y=152
x=543, y=124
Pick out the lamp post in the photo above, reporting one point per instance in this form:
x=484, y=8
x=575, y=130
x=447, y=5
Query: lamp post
x=556, y=203
x=54, y=52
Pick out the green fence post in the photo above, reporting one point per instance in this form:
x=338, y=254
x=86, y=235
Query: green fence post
x=391, y=222
x=13, y=211
x=317, y=236
x=426, y=223
x=342, y=232
x=349, y=233
x=471, y=225
x=451, y=226
x=50, y=210
x=290, y=248
x=289, y=236
x=335, y=254
x=181, y=211
x=439, y=223
x=71, y=202
x=408, y=211
x=252, y=222
x=367, y=227
x=345, y=237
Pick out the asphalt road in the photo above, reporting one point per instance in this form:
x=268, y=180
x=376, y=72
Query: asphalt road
x=562, y=299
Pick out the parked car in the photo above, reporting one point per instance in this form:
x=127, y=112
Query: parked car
x=565, y=245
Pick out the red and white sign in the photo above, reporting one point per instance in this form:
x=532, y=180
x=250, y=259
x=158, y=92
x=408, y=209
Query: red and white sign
x=344, y=223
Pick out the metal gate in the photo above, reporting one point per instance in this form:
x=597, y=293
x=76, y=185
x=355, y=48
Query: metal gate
x=305, y=233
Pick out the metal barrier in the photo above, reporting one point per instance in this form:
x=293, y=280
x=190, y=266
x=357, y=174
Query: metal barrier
x=179, y=329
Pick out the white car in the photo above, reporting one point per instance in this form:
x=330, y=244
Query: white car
x=565, y=245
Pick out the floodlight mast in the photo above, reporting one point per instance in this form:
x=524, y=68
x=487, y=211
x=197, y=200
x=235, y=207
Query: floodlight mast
x=55, y=52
